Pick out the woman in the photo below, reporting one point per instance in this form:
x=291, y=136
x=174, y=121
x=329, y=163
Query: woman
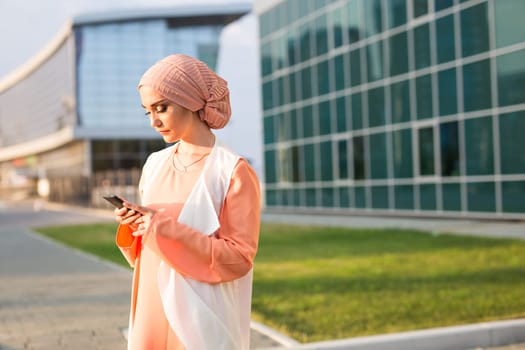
x=193, y=239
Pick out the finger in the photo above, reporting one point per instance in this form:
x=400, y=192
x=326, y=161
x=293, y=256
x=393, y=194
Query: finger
x=139, y=233
x=131, y=219
x=138, y=208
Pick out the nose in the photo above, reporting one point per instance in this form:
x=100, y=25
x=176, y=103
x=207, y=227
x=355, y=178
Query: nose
x=155, y=122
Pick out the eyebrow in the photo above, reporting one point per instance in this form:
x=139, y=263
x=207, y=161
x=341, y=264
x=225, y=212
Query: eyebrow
x=156, y=103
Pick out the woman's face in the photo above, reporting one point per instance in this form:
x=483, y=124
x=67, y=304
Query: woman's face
x=170, y=120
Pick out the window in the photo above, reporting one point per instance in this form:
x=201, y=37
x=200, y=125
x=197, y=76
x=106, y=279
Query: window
x=427, y=197
x=512, y=195
x=422, y=46
x=396, y=12
x=445, y=39
x=478, y=146
x=404, y=197
x=343, y=156
x=321, y=35
x=357, y=114
x=426, y=151
x=476, y=86
x=451, y=193
x=355, y=67
x=359, y=157
x=402, y=153
x=339, y=72
x=355, y=29
x=373, y=18
x=374, y=54
x=448, y=96
x=326, y=161
x=309, y=162
x=323, y=78
x=474, y=30
x=376, y=107
x=398, y=54
x=511, y=126
x=511, y=78
x=308, y=121
x=270, y=166
x=400, y=102
x=481, y=197
x=340, y=105
x=420, y=7
x=509, y=22
x=424, y=96
x=378, y=156
x=380, y=197
x=325, y=118
x=449, y=145
x=269, y=133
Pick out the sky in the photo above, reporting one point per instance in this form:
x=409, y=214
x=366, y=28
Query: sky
x=27, y=26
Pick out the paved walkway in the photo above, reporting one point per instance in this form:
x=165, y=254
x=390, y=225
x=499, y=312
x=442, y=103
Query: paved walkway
x=53, y=297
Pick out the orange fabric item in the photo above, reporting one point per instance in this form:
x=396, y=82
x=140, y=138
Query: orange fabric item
x=225, y=256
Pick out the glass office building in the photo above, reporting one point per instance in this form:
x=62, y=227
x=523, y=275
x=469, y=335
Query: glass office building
x=403, y=107
x=75, y=109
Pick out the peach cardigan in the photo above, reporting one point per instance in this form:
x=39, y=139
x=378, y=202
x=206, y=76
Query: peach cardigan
x=206, y=299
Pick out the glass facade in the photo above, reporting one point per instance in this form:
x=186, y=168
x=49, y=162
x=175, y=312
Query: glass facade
x=398, y=106
x=111, y=57
x=74, y=109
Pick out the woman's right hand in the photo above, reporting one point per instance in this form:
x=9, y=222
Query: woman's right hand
x=126, y=216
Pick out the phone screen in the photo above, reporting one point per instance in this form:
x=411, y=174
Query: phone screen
x=115, y=200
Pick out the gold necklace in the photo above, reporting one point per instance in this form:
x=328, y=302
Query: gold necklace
x=185, y=170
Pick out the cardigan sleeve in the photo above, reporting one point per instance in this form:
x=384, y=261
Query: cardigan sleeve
x=224, y=256
x=128, y=244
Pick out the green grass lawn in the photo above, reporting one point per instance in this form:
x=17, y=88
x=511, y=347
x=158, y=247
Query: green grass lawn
x=316, y=283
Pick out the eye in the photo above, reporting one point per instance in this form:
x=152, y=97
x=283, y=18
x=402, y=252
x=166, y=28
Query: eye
x=160, y=108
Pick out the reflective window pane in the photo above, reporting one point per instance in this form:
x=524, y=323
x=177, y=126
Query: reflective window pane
x=355, y=29
x=355, y=67
x=341, y=113
x=479, y=146
x=373, y=17
x=360, y=196
x=325, y=118
x=398, y=54
x=420, y=7
x=402, y=153
x=447, y=90
x=422, y=46
x=510, y=27
x=343, y=157
x=358, y=148
x=474, y=30
x=396, y=11
x=445, y=39
x=427, y=197
x=309, y=162
x=404, y=197
x=321, y=35
x=378, y=156
x=511, y=126
x=424, y=96
x=357, y=112
x=400, y=102
x=476, y=85
x=512, y=196
x=426, y=151
x=481, y=197
x=449, y=144
x=374, y=54
x=380, y=197
x=451, y=193
x=511, y=78
x=308, y=121
x=326, y=161
x=323, y=78
x=376, y=107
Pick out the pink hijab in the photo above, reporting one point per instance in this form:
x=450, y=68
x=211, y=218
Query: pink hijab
x=190, y=83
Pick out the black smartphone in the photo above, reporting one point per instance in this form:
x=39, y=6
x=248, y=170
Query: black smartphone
x=115, y=200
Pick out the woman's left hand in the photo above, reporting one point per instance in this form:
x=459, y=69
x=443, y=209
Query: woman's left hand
x=144, y=220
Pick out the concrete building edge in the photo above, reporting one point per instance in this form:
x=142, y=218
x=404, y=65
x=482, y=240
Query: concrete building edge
x=471, y=336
